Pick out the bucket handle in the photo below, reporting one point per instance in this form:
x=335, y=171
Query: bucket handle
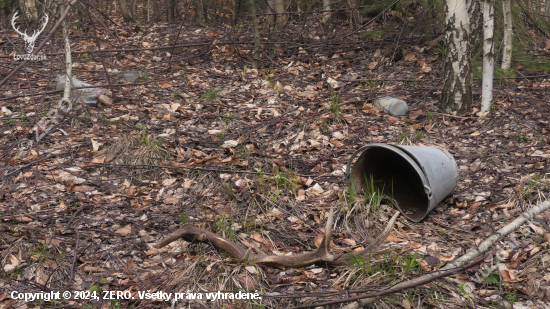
x=348, y=166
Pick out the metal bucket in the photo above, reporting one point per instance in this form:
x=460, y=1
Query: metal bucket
x=416, y=177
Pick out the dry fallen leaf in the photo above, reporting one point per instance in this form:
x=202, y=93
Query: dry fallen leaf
x=259, y=238
x=230, y=144
x=350, y=242
x=165, y=85
x=319, y=239
x=125, y=230
x=95, y=145
x=187, y=184
x=410, y=57
x=246, y=281
x=168, y=182
x=393, y=237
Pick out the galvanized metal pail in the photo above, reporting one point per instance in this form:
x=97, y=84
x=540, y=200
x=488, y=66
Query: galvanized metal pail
x=416, y=177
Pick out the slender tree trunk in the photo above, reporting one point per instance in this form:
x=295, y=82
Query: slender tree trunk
x=124, y=9
x=353, y=16
x=173, y=5
x=456, y=95
x=200, y=11
x=80, y=16
x=280, y=10
x=234, y=11
x=488, y=55
x=257, y=42
x=508, y=33
x=132, y=9
x=68, y=60
x=271, y=11
x=101, y=5
x=326, y=15
x=547, y=9
x=29, y=8
x=111, y=5
x=476, y=17
x=156, y=10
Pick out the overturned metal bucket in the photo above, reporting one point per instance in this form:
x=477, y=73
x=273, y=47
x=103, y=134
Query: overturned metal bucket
x=417, y=178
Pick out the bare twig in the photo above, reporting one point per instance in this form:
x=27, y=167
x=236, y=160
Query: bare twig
x=401, y=286
x=75, y=255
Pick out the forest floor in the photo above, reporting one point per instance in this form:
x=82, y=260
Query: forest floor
x=258, y=156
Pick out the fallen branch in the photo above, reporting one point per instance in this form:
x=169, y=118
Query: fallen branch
x=321, y=254
x=472, y=254
x=399, y=287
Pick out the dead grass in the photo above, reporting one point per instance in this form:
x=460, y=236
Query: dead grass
x=139, y=150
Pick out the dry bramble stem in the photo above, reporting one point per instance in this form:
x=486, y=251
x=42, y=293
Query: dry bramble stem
x=321, y=254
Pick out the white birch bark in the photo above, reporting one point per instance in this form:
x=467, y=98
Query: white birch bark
x=326, y=15
x=508, y=33
x=488, y=55
x=68, y=60
x=30, y=9
x=280, y=10
x=456, y=95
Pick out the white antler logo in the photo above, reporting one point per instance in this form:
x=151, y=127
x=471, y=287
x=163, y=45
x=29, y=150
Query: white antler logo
x=29, y=40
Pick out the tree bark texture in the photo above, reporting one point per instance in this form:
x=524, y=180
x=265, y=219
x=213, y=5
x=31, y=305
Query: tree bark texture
x=476, y=19
x=326, y=15
x=488, y=55
x=508, y=33
x=124, y=9
x=456, y=95
x=257, y=42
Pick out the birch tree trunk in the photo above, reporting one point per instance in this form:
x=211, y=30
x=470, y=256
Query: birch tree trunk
x=280, y=10
x=456, y=95
x=475, y=29
x=488, y=55
x=508, y=33
x=277, y=13
x=326, y=15
x=29, y=8
x=68, y=60
x=257, y=42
